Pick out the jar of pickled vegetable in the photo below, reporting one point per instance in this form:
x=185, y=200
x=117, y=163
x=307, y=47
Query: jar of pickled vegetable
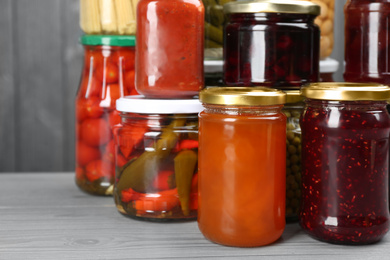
x=271, y=43
x=170, y=39
x=156, y=158
x=108, y=74
x=213, y=73
x=293, y=110
x=327, y=68
x=345, y=159
x=242, y=172
x=367, y=41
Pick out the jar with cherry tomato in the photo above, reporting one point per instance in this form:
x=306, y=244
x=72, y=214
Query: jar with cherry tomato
x=107, y=75
x=156, y=148
x=170, y=41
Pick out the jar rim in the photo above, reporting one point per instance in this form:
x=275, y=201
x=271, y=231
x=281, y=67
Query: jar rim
x=293, y=96
x=273, y=6
x=140, y=104
x=346, y=91
x=242, y=96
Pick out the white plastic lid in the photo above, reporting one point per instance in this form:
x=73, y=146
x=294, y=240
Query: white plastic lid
x=142, y=105
x=213, y=66
x=329, y=65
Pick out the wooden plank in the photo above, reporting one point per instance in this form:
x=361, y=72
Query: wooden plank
x=45, y=216
x=7, y=89
x=72, y=66
x=40, y=101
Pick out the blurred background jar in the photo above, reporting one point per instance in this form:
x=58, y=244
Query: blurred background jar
x=213, y=73
x=271, y=43
x=293, y=110
x=156, y=148
x=367, y=41
x=327, y=69
x=107, y=75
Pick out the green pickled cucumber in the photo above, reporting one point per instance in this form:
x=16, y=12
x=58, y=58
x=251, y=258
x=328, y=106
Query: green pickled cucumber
x=213, y=33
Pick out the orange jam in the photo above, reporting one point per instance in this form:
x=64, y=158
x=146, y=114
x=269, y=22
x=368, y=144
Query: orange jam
x=242, y=173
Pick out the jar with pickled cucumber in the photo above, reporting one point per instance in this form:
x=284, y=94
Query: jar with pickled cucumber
x=156, y=148
x=293, y=110
x=214, y=22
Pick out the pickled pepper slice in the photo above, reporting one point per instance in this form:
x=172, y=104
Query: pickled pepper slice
x=139, y=175
x=185, y=163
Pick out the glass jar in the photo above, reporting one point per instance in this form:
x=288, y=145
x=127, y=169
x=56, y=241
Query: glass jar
x=214, y=21
x=327, y=68
x=271, y=43
x=169, y=58
x=108, y=74
x=345, y=159
x=108, y=16
x=242, y=172
x=367, y=41
x=326, y=23
x=293, y=110
x=156, y=158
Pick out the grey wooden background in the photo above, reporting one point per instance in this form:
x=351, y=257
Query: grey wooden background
x=40, y=65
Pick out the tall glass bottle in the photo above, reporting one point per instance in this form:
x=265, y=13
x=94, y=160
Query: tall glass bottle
x=367, y=40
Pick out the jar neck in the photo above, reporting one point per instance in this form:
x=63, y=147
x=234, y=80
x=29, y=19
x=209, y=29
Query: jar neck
x=272, y=17
x=156, y=120
x=242, y=110
x=347, y=105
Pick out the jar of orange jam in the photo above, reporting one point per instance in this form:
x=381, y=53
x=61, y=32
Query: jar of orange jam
x=242, y=165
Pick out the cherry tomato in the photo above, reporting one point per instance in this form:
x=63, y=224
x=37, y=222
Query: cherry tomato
x=96, y=170
x=89, y=87
x=88, y=108
x=85, y=153
x=113, y=93
x=93, y=58
x=163, y=180
x=114, y=118
x=109, y=152
x=129, y=82
x=95, y=131
x=108, y=74
x=126, y=58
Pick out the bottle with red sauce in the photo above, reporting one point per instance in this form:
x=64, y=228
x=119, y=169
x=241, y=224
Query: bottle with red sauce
x=367, y=41
x=271, y=43
x=107, y=75
x=170, y=38
x=345, y=158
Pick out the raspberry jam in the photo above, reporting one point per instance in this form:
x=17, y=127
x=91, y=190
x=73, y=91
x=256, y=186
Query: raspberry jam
x=279, y=50
x=345, y=158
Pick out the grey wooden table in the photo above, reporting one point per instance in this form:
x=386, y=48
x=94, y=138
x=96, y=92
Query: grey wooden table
x=45, y=216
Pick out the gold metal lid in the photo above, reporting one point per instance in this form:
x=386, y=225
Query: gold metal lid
x=293, y=96
x=341, y=91
x=242, y=96
x=272, y=6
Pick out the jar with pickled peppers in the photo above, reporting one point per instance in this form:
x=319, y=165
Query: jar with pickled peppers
x=108, y=74
x=169, y=58
x=271, y=43
x=367, y=41
x=156, y=158
x=293, y=110
x=345, y=160
x=242, y=172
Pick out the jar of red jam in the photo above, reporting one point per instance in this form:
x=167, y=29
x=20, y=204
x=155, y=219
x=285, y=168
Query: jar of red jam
x=157, y=158
x=169, y=56
x=108, y=74
x=293, y=110
x=345, y=158
x=242, y=170
x=367, y=41
x=271, y=43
